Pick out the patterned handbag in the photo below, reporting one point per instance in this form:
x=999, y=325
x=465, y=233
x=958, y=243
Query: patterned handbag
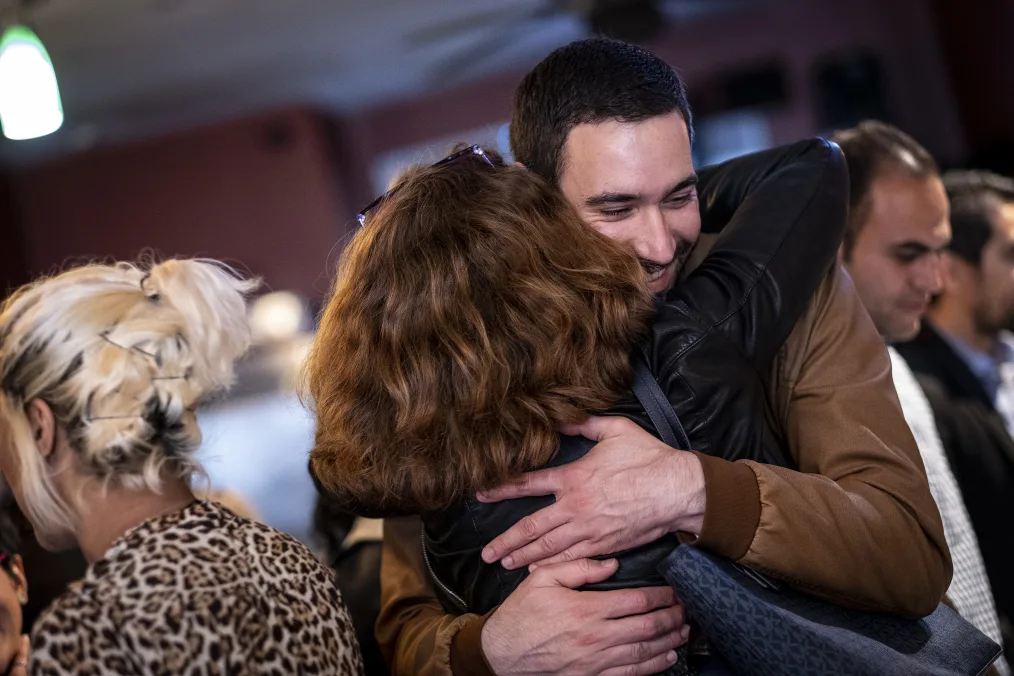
x=762, y=628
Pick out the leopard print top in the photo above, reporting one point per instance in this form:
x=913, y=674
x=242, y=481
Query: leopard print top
x=201, y=591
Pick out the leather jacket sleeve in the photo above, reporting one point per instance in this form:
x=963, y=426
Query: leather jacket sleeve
x=782, y=215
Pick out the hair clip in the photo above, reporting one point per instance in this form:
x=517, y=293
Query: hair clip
x=105, y=336
x=88, y=418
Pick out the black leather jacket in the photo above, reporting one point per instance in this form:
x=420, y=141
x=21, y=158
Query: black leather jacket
x=782, y=214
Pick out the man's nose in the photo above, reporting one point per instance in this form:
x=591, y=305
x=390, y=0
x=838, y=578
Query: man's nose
x=654, y=242
x=930, y=275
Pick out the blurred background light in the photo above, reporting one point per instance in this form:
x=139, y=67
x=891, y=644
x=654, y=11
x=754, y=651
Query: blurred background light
x=277, y=316
x=30, y=103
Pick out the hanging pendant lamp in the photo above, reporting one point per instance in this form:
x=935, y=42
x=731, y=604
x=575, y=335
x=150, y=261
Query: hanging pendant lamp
x=30, y=103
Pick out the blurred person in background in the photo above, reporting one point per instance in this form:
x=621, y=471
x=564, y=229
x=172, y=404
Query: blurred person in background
x=14, y=645
x=964, y=356
x=102, y=369
x=256, y=439
x=52, y=572
x=609, y=125
x=351, y=546
x=899, y=229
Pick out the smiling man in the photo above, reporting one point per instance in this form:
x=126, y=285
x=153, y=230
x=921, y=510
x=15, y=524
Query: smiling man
x=610, y=125
x=616, y=172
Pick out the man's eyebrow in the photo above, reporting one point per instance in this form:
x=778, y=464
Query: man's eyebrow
x=605, y=198
x=611, y=198
x=916, y=248
x=913, y=247
x=688, y=182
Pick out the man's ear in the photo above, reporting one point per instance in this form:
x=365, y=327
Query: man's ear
x=518, y=164
x=43, y=424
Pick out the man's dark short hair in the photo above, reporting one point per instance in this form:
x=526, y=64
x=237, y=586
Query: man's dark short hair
x=870, y=148
x=587, y=82
x=975, y=197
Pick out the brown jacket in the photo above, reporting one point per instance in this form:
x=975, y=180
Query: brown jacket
x=855, y=524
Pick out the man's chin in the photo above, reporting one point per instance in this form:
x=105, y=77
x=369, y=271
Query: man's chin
x=906, y=331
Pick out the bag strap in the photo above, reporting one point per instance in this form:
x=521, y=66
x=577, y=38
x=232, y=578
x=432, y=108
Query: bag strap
x=657, y=406
x=649, y=393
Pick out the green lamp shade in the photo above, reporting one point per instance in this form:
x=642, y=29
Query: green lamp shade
x=29, y=96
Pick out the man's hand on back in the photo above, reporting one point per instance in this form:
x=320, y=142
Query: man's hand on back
x=630, y=489
x=545, y=627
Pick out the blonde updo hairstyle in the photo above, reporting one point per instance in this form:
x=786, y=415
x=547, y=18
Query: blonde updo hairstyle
x=122, y=354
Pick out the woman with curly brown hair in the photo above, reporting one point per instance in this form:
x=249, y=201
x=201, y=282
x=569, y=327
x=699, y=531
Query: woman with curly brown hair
x=474, y=314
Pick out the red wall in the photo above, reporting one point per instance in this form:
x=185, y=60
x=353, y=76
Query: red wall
x=260, y=192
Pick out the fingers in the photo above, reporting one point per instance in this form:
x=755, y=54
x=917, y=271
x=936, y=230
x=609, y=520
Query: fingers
x=553, y=547
x=524, y=532
x=529, y=484
x=574, y=574
x=583, y=549
x=597, y=428
x=638, y=601
x=570, y=429
x=647, y=642
x=650, y=626
x=589, y=429
x=655, y=665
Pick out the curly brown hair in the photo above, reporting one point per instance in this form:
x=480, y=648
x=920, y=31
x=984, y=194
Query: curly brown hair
x=471, y=315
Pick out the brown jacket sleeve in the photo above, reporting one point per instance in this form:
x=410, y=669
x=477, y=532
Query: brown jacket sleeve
x=414, y=632
x=856, y=524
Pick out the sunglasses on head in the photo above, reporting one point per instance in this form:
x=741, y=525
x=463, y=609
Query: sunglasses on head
x=474, y=149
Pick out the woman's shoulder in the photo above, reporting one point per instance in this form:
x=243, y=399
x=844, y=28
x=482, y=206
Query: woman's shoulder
x=209, y=536
x=203, y=547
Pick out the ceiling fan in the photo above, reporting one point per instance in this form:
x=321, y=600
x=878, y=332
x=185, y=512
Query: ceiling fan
x=493, y=31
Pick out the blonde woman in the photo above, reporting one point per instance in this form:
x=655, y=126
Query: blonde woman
x=101, y=370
